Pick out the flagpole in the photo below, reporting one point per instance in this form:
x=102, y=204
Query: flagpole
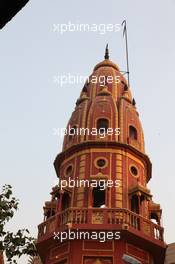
x=126, y=47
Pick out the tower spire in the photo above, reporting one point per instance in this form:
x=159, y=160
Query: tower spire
x=107, y=53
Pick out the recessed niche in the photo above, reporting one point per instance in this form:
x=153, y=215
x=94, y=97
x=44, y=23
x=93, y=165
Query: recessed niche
x=68, y=171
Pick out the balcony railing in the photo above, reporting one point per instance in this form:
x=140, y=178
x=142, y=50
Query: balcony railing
x=99, y=218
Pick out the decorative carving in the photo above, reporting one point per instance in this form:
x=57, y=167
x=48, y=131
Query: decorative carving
x=97, y=218
x=146, y=228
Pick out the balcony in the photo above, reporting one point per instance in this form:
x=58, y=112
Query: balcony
x=101, y=219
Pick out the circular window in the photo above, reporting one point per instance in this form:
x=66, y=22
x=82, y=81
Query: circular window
x=68, y=171
x=134, y=170
x=101, y=163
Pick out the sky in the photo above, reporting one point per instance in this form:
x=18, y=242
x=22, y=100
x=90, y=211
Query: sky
x=32, y=104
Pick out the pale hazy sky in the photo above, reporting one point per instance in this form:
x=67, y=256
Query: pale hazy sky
x=32, y=105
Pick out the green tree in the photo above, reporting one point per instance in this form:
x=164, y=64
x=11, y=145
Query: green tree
x=14, y=245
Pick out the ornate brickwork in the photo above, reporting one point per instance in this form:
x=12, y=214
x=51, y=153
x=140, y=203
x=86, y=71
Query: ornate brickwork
x=118, y=164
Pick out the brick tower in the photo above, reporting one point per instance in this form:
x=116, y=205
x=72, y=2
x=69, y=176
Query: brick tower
x=107, y=155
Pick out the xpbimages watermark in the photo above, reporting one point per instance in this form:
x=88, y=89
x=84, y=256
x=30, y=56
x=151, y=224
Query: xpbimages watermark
x=93, y=183
x=102, y=236
x=81, y=131
x=64, y=79
x=85, y=27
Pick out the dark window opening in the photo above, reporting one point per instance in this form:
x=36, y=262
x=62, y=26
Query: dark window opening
x=135, y=204
x=65, y=201
x=69, y=171
x=135, y=221
x=154, y=218
x=134, y=171
x=132, y=133
x=101, y=163
x=98, y=197
x=102, y=123
x=142, y=199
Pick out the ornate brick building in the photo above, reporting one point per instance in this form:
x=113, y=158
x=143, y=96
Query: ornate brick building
x=119, y=160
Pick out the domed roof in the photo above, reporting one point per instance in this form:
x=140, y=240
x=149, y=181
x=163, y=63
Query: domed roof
x=106, y=62
x=105, y=97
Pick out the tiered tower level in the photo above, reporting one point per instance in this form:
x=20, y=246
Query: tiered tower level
x=126, y=207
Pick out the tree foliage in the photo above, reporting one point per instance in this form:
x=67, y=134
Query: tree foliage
x=13, y=244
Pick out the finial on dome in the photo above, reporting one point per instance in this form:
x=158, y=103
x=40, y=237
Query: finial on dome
x=107, y=53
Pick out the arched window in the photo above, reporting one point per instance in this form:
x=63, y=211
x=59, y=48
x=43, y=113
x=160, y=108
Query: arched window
x=68, y=171
x=135, y=222
x=102, y=123
x=135, y=204
x=154, y=218
x=99, y=197
x=65, y=201
x=132, y=132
